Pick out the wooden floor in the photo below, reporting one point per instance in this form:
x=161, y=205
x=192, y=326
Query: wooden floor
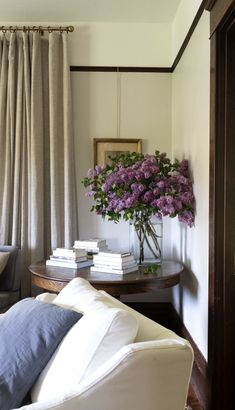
x=192, y=402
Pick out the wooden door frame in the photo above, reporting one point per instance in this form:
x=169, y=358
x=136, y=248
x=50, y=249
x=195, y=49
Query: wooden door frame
x=220, y=336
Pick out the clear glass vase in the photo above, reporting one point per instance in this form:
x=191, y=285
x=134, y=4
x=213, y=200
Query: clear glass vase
x=146, y=241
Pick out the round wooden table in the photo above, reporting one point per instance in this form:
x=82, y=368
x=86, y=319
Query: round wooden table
x=53, y=278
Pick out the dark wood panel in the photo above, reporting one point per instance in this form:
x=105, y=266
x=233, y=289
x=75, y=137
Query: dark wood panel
x=210, y=4
x=220, y=10
x=222, y=218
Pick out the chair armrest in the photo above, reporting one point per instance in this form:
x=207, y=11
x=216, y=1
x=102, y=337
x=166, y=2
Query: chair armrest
x=150, y=375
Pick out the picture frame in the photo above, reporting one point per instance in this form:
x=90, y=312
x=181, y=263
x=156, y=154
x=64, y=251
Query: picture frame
x=106, y=147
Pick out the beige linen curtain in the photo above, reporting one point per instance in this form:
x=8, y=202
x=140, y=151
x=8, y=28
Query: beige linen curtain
x=37, y=173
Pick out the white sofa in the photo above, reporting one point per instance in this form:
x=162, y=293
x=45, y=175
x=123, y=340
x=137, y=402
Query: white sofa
x=151, y=373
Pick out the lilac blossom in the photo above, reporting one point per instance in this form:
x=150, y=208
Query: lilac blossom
x=138, y=185
x=186, y=217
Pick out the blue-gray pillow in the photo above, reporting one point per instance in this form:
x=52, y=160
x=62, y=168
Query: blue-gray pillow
x=29, y=334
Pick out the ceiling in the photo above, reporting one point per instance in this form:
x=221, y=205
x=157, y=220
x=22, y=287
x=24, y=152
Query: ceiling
x=141, y=11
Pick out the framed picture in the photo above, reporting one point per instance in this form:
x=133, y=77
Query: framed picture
x=110, y=147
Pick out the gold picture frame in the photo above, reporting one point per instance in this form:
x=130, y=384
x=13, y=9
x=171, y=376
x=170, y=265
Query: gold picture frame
x=106, y=147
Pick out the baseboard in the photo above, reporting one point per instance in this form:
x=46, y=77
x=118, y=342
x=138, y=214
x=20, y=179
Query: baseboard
x=166, y=315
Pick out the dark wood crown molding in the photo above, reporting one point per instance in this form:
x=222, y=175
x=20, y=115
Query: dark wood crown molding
x=121, y=69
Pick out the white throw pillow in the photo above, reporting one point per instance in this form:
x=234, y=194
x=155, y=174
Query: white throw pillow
x=79, y=292
x=96, y=337
x=147, y=328
x=46, y=297
x=4, y=256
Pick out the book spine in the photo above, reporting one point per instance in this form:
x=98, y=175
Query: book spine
x=92, y=249
x=118, y=265
x=68, y=260
x=115, y=271
x=115, y=255
x=68, y=264
x=70, y=254
x=116, y=261
x=91, y=244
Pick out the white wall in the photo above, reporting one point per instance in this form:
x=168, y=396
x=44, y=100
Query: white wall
x=190, y=139
x=145, y=112
x=115, y=44
x=144, y=103
x=183, y=19
x=121, y=44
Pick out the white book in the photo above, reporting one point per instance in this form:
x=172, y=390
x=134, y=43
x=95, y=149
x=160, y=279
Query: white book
x=69, y=260
x=96, y=249
x=113, y=254
x=69, y=252
x=113, y=260
x=95, y=242
x=116, y=268
x=74, y=265
x=119, y=263
x=108, y=269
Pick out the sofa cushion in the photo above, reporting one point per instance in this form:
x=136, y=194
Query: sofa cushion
x=4, y=256
x=147, y=328
x=101, y=332
x=80, y=293
x=29, y=332
x=10, y=277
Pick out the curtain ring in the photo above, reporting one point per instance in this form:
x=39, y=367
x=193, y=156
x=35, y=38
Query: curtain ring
x=49, y=29
x=11, y=28
x=24, y=29
x=40, y=30
x=3, y=30
x=61, y=31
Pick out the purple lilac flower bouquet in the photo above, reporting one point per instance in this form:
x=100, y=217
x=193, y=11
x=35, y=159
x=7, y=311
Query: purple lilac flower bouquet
x=136, y=186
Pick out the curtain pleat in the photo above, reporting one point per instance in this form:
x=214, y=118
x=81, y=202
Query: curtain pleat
x=37, y=168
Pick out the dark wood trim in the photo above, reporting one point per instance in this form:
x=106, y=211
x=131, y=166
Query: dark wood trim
x=149, y=69
x=210, y=4
x=220, y=11
x=221, y=337
x=122, y=69
x=145, y=69
x=166, y=315
x=213, y=324
x=189, y=35
x=93, y=68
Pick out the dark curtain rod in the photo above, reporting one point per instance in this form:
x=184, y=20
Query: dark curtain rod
x=40, y=29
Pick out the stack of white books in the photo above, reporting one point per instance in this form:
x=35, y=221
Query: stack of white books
x=114, y=262
x=92, y=246
x=69, y=258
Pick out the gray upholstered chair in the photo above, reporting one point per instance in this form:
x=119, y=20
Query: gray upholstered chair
x=10, y=278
